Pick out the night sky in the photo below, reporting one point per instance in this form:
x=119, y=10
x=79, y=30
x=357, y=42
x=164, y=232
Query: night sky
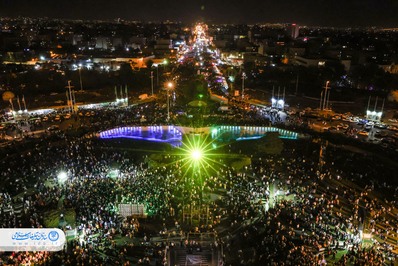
x=304, y=12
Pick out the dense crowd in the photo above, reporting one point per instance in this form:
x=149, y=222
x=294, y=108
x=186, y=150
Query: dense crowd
x=317, y=217
x=278, y=210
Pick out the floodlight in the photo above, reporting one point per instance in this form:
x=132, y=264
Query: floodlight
x=196, y=154
x=62, y=176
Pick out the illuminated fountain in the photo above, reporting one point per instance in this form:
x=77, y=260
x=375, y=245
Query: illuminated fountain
x=173, y=135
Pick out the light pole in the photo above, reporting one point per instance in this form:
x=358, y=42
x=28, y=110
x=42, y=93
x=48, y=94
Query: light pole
x=69, y=87
x=165, y=62
x=157, y=76
x=327, y=100
x=320, y=101
x=170, y=86
x=152, y=82
x=243, y=84
x=324, y=98
x=80, y=76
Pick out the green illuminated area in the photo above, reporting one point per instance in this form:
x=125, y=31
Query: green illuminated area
x=198, y=151
x=196, y=154
x=197, y=161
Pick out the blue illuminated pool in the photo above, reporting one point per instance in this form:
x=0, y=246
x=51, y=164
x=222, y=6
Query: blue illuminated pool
x=173, y=135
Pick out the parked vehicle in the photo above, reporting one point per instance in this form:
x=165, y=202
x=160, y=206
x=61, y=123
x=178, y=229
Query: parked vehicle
x=363, y=133
x=53, y=128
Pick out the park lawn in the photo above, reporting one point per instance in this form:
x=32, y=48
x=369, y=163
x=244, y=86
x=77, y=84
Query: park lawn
x=52, y=218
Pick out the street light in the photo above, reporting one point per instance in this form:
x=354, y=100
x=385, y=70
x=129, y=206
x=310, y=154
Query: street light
x=71, y=96
x=169, y=86
x=157, y=74
x=320, y=101
x=165, y=63
x=152, y=82
x=243, y=84
x=80, y=76
x=325, y=95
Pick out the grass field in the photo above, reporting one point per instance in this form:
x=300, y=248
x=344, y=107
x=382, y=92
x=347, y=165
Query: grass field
x=53, y=218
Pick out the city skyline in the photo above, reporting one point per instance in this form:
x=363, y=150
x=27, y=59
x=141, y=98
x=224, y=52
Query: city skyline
x=337, y=13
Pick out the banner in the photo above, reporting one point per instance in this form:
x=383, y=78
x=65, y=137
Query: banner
x=126, y=210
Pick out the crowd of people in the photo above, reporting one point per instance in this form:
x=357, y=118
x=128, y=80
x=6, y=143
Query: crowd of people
x=278, y=210
x=317, y=214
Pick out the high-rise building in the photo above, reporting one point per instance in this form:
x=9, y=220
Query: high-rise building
x=293, y=30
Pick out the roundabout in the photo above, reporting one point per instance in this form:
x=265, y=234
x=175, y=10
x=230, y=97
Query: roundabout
x=205, y=190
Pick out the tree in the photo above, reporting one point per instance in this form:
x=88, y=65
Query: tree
x=270, y=144
x=125, y=74
x=149, y=63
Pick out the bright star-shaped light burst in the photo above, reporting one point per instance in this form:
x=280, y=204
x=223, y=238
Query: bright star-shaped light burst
x=197, y=156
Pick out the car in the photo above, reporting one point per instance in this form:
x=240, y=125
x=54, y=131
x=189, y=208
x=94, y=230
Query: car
x=380, y=125
x=57, y=118
x=381, y=134
x=36, y=121
x=67, y=116
x=343, y=126
x=363, y=133
x=53, y=128
x=393, y=128
x=354, y=120
x=368, y=127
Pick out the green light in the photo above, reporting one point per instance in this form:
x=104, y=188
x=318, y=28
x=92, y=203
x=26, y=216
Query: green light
x=114, y=173
x=200, y=96
x=196, y=154
x=197, y=157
